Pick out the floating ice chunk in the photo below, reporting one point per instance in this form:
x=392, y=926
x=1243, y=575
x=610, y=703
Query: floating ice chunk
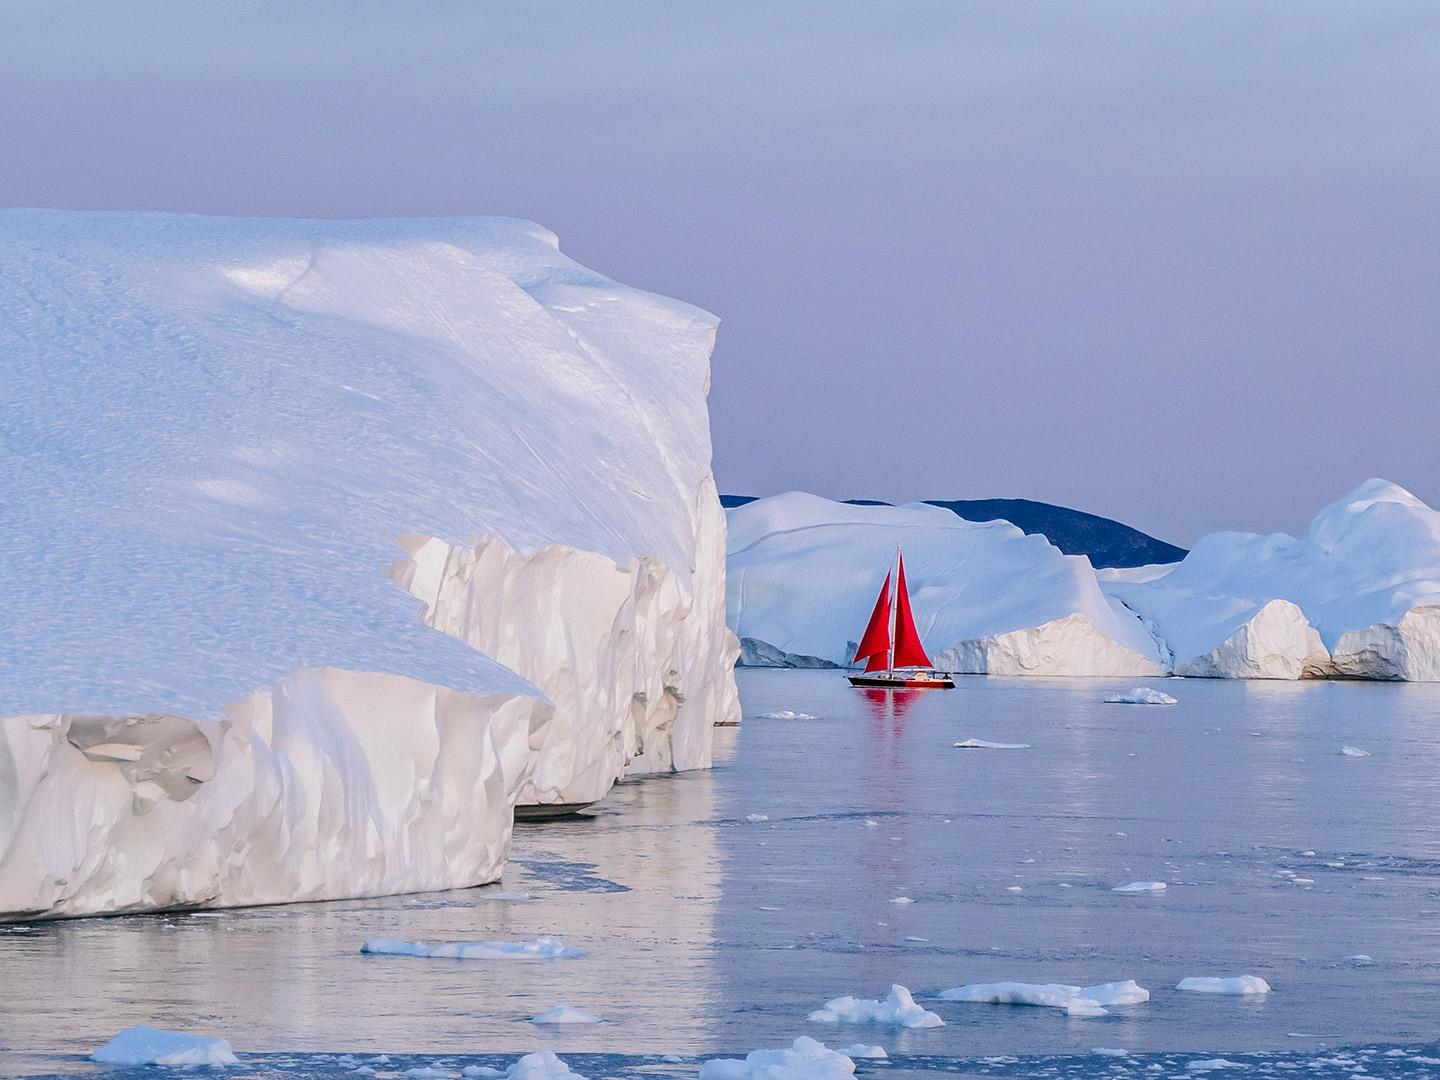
x=565, y=1014
x=786, y=714
x=1014, y=888
x=543, y=948
x=1141, y=695
x=981, y=744
x=861, y=1050
x=1353, y=751
x=899, y=1010
x=901, y=900
x=478, y=1072
x=1240, y=984
x=541, y=1066
x=1141, y=886
x=1076, y=1000
x=1361, y=958
x=144, y=1045
x=1109, y=1051
x=429, y=1072
x=757, y=817
x=1211, y=1064
x=806, y=1059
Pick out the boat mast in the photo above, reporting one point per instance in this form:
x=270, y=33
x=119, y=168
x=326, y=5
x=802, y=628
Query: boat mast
x=894, y=616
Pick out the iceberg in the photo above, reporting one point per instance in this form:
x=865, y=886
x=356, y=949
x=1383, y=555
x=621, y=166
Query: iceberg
x=897, y=1010
x=1141, y=695
x=1237, y=985
x=1358, y=596
x=327, y=542
x=1075, y=1000
x=803, y=571
x=155, y=1046
x=565, y=1014
x=805, y=1059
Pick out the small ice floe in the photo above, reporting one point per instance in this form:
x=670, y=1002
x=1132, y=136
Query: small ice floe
x=154, y=1046
x=981, y=744
x=757, y=817
x=429, y=1072
x=565, y=1014
x=1353, y=751
x=1239, y=984
x=862, y=1050
x=544, y=948
x=1141, y=695
x=1211, y=1064
x=1075, y=1000
x=479, y=1072
x=898, y=1010
x=871, y=823
x=1141, y=887
x=1014, y=888
x=913, y=938
x=786, y=714
x=1109, y=1051
x=805, y=1059
x=541, y=1066
x=901, y=900
x=1361, y=958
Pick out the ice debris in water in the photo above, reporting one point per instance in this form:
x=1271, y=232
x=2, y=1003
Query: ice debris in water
x=1141, y=695
x=1240, y=984
x=786, y=714
x=901, y=900
x=429, y=1072
x=757, y=817
x=541, y=1066
x=565, y=1014
x=1075, y=1000
x=1211, y=1064
x=543, y=948
x=981, y=744
x=144, y=1045
x=862, y=1050
x=1141, y=886
x=1353, y=751
x=899, y=1010
x=478, y=1072
x=806, y=1059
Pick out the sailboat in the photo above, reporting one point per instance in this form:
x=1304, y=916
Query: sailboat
x=891, y=645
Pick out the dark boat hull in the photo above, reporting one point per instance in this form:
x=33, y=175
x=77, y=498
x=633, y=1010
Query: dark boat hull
x=926, y=682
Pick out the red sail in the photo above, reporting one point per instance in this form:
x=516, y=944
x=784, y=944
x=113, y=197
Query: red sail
x=875, y=642
x=908, y=650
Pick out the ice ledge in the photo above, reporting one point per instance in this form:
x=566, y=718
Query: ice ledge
x=333, y=784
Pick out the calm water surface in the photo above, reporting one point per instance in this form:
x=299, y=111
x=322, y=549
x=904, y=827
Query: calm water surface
x=718, y=909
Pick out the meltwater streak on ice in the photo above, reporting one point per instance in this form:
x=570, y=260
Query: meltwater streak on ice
x=710, y=934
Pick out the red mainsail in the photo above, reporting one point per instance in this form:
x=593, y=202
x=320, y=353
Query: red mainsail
x=908, y=650
x=875, y=642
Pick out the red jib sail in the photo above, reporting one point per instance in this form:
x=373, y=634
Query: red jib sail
x=875, y=642
x=908, y=650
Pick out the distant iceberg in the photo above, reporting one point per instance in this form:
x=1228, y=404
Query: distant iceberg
x=326, y=542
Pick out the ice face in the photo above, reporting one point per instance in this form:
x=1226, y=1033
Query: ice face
x=218, y=436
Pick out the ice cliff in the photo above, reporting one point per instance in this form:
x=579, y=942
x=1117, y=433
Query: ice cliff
x=328, y=541
x=804, y=573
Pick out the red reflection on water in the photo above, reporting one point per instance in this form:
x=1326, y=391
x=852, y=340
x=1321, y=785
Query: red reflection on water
x=888, y=707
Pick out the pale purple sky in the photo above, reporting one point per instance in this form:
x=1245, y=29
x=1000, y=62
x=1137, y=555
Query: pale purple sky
x=1176, y=263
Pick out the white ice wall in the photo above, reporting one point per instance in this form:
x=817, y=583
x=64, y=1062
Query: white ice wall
x=215, y=433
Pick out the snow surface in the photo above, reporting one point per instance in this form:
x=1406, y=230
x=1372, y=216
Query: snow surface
x=1359, y=596
x=543, y=948
x=804, y=573
x=805, y=1059
x=1141, y=695
x=565, y=1014
x=1239, y=984
x=897, y=1010
x=235, y=452
x=154, y=1046
x=1075, y=1000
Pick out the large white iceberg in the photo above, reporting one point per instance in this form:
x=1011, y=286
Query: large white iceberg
x=804, y=572
x=235, y=452
x=1358, y=596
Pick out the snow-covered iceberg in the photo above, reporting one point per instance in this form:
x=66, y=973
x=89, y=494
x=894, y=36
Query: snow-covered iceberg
x=235, y=452
x=804, y=571
x=1358, y=596
x=154, y=1046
